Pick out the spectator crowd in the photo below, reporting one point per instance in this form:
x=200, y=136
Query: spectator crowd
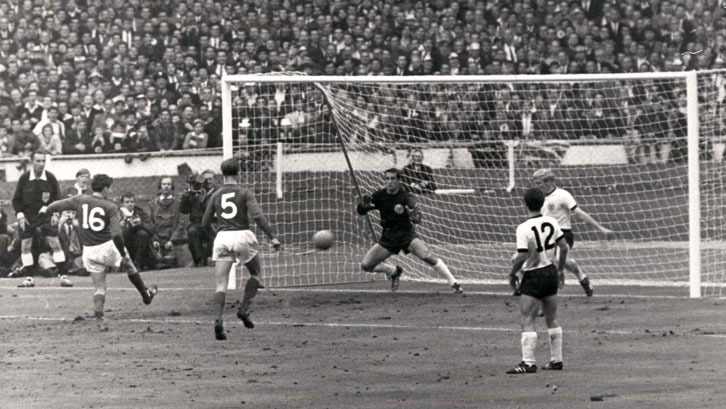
x=94, y=76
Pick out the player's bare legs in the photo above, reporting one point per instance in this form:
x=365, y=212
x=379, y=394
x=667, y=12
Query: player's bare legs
x=549, y=306
x=99, y=298
x=26, y=256
x=373, y=261
x=254, y=267
x=59, y=258
x=529, y=306
x=419, y=249
x=571, y=265
x=147, y=294
x=221, y=277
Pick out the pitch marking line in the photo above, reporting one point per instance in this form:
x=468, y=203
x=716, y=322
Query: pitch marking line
x=348, y=325
x=355, y=291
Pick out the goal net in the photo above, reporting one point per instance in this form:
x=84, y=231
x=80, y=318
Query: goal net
x=618, y=143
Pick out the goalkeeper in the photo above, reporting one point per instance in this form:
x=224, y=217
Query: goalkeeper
x=399, y=212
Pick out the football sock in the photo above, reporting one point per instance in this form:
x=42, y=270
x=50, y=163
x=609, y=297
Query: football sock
x=138, y=283
x=59, y=257
x=576, y=271
x=250, y=292
x=387, y=269
x=585, y=282
x=441, y=268
x=555, y=343
x=26, y=259
x=529, y=344
x=98, y=301
x=218, y=301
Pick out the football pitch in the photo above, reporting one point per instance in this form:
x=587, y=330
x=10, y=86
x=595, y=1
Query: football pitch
x=353, y=346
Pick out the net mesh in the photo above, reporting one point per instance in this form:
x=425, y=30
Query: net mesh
x=635, y=182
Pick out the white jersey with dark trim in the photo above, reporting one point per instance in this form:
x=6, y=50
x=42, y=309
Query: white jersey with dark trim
x=538, y=237
x=559, y=204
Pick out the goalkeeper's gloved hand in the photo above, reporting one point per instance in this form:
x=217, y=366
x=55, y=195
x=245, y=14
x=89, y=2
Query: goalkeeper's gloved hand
x=366, y=200
x=276, y=244
x=414, y=213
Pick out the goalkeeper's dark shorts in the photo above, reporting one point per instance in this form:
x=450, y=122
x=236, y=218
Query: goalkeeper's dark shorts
x=540, y=282
x=396, y=241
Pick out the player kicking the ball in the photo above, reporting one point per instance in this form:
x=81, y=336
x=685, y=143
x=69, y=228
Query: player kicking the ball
x=234, y=206
x=537, y=239
x=102, y=240
x=399, y=211
x=560, y=205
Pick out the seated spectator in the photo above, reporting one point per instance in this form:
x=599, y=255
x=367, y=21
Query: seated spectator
x=77, y=139
x=138, y=231
x=26, y=141
x=417, y=177
x=99, y=143
x=165, y=216
x=140, y=140
x=6, y=142
x=50, y=142
x=196, y=139
x=164, y=132
x=194, y=202
x=71, y=245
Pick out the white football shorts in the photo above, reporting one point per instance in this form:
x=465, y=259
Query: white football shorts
x=97, y=258
x=235, y=245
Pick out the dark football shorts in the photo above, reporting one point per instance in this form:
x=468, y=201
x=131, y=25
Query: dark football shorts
x=540, y=282
x=397, y=242
x=569, y=237
x=41, y=226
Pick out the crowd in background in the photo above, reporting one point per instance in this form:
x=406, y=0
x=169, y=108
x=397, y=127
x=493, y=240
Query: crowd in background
x=92, y=76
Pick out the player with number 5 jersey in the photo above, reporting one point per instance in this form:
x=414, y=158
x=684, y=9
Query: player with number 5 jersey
x=234, y=206
x=102, y=240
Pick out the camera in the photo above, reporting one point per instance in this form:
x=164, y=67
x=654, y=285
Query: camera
x=195, y=184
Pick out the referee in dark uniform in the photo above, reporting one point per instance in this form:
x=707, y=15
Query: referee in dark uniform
x=36, y=189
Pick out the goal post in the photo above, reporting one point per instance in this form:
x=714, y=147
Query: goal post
x=484, y=136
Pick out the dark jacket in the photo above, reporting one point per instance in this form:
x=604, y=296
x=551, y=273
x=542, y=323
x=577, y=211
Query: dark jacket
x=31, y=195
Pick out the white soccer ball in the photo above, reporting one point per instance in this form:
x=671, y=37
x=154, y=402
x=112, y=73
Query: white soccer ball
x=323, y=239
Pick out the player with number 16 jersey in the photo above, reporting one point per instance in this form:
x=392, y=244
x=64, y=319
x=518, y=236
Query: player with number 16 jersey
x=96, y=216
x=102, y=240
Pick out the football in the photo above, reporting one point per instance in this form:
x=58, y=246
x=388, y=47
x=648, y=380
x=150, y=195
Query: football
x=323, y=239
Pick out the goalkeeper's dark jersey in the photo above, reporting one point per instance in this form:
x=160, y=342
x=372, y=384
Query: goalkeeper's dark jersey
x=234, y=206
x=98, y=218
x=394, y=216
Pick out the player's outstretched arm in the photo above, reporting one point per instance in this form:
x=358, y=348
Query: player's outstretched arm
x=586, y=217
x=264, y=225
x=365, y=205
x=59, y=206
